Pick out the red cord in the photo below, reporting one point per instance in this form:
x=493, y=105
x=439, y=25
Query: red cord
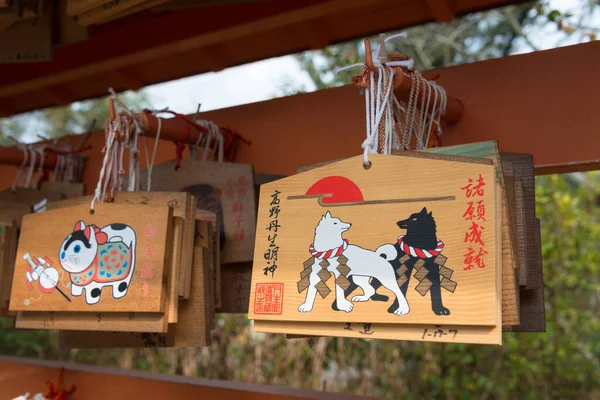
x=180, y=146
x=229, y=147
x=438, y=139
x=55, y=393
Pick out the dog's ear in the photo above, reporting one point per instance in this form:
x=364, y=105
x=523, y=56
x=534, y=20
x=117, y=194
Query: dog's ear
x=424, y=210
x=430, y=213
x=328, y=215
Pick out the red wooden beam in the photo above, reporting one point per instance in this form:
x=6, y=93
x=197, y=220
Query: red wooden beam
x=246, y=32
x=442, y=10
x=14, y=156
x=21, y=375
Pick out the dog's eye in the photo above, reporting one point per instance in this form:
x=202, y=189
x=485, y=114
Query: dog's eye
x=414, y=219
x=335, y=223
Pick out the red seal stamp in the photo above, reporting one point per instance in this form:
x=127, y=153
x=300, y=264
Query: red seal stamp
x=268, y=298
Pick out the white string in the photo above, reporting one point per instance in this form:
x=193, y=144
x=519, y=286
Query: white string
x=436, y=108
x=376, y=108
x=150, y=165
x=121, y=169
x=377, y=59
x=31, y=167
x=98, y=192
x=115, y=169
x=42, y=151
x=194, y=149
x=337, y=70
x=214, y=132
x=20, y=169
x=367, y=145
x=220, y=144
x=423, y=126
x=109, y=169
x=55, y=172
x=134, y=161
x=397, y=35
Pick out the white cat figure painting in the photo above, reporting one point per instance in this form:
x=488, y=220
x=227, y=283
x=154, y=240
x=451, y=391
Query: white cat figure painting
x=95, y=258
x=364, y=264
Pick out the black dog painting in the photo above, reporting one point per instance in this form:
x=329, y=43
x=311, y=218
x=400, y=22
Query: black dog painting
x=418, y=249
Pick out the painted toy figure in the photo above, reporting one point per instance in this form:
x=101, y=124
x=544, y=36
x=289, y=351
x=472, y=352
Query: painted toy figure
x=95, y=258
x=363, y=264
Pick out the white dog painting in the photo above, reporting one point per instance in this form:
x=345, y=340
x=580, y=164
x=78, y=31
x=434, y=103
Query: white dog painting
x=364, y=264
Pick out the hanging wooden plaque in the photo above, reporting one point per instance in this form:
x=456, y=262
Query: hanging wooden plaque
x=192, y=329
x=183, y=204
x=111, y=260
x=361, y=233
x=106, y=321
x=223, y=188
x=438, y=332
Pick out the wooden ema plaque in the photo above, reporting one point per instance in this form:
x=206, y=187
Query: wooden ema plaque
x=342, y=242
x=111, y=260
x=130, y=321
x=223, y=188
x=192, y=330
x=184, y=206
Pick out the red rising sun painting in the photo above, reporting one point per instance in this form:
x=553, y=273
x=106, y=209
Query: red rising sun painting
x=342, y=190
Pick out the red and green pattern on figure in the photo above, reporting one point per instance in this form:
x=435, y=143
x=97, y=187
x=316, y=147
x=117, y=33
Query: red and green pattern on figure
x=111, y=264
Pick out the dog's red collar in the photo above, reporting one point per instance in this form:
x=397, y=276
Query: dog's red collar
x=413, y=251
x=324, y=255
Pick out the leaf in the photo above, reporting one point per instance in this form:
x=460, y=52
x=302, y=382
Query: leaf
x=554, y=15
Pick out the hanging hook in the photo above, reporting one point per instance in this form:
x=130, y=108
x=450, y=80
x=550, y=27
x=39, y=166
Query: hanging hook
x=197, y=112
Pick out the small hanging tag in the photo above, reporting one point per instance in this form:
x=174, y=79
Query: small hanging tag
x=40, y=206
x=342, y=227
x=71, y=260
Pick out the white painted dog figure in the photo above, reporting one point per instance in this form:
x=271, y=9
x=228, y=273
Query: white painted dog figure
x=364, y=264
x=95, y=258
